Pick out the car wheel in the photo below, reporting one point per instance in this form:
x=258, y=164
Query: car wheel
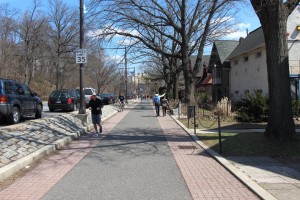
x=38, y=112
x=14, y=116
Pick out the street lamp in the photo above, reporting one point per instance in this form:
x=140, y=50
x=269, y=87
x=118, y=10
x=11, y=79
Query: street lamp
x=125, y=63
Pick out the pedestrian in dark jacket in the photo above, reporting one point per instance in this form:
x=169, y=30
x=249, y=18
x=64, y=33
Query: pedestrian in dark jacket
x=164, y=104
x=95, y=105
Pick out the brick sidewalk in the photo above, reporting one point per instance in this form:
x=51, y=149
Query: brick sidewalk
x=204, y=176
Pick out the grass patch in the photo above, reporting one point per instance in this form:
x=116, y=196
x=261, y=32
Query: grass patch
x=207, y=123
x=250, y=144
x=245, y=144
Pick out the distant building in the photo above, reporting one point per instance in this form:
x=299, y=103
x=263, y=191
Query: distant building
x=215, y=79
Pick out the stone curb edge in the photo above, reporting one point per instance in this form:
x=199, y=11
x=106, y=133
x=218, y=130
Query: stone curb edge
x=16, y=166
x=252, y=185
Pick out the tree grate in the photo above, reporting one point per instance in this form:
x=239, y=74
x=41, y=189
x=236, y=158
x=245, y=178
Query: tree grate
x=186, y=147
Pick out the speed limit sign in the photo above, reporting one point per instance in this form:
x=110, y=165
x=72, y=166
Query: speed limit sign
x=81, y=56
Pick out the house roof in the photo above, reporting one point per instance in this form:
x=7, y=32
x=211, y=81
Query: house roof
x=254, y=40
x=225, y=47
x=205, y=59
x=206, y=81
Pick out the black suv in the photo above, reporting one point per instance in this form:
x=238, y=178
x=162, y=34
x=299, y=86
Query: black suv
x=65, y=99
x=17, y=101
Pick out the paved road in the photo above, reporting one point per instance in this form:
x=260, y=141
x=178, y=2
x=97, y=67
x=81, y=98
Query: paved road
x=132, y=162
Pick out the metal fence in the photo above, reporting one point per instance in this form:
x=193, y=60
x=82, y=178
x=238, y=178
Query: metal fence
x=208, y=113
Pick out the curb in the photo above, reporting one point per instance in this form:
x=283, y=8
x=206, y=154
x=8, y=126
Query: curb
x=252, y=185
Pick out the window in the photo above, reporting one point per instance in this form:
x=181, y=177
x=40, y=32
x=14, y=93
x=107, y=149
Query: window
x=89, y=91
x=26, y=90
x=7, y=87
x=236, y=62
x=258, y=54
x=236, y=92
x=18, y=88
x=259, y=91
x=218, y=72
x=246, y=58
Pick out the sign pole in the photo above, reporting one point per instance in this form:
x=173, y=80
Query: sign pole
x=125, y=57
x=82, y=101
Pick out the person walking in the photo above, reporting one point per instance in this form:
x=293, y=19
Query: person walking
x=164, y=104
x=95, y=105
x=121, y=102
x=156, y=103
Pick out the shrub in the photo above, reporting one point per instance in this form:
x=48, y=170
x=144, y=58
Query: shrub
x=296, y=107
x=203, y=100
x=253, y=108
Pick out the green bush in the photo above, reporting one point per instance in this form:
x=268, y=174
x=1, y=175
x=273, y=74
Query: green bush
x=296, y=107
x=253, y=108
x=203, y=100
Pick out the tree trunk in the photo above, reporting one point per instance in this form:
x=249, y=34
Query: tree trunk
x=280, y=122
x=175, y=87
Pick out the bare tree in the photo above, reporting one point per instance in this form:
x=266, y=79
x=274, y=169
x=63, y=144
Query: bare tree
x=155, y=22
x=31, y=34
x=280, y=122
x=63, y=36
x=102, y=72
x=8, y=38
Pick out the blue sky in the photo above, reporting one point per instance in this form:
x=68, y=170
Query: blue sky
x=246, y=17
x=24, y=4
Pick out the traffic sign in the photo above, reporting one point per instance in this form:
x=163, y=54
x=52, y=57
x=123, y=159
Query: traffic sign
x=81, y=56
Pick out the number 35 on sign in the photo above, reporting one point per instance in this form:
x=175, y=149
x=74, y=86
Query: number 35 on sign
x=81, y=56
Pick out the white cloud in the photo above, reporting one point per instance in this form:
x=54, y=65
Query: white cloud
x=241, y=31
x=111, y=29
x=236, y=35
x=243, y=25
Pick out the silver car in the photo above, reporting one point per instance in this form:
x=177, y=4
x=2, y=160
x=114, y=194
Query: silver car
x=87, y=94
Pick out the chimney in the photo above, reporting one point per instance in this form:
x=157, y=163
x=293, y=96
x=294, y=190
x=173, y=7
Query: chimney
x=241, y=39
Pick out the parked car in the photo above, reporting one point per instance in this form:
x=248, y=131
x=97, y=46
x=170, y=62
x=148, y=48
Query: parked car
x=17, y=101
x=113, y=98
x=107, y=98
x=87, y=94
x=65, y=99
